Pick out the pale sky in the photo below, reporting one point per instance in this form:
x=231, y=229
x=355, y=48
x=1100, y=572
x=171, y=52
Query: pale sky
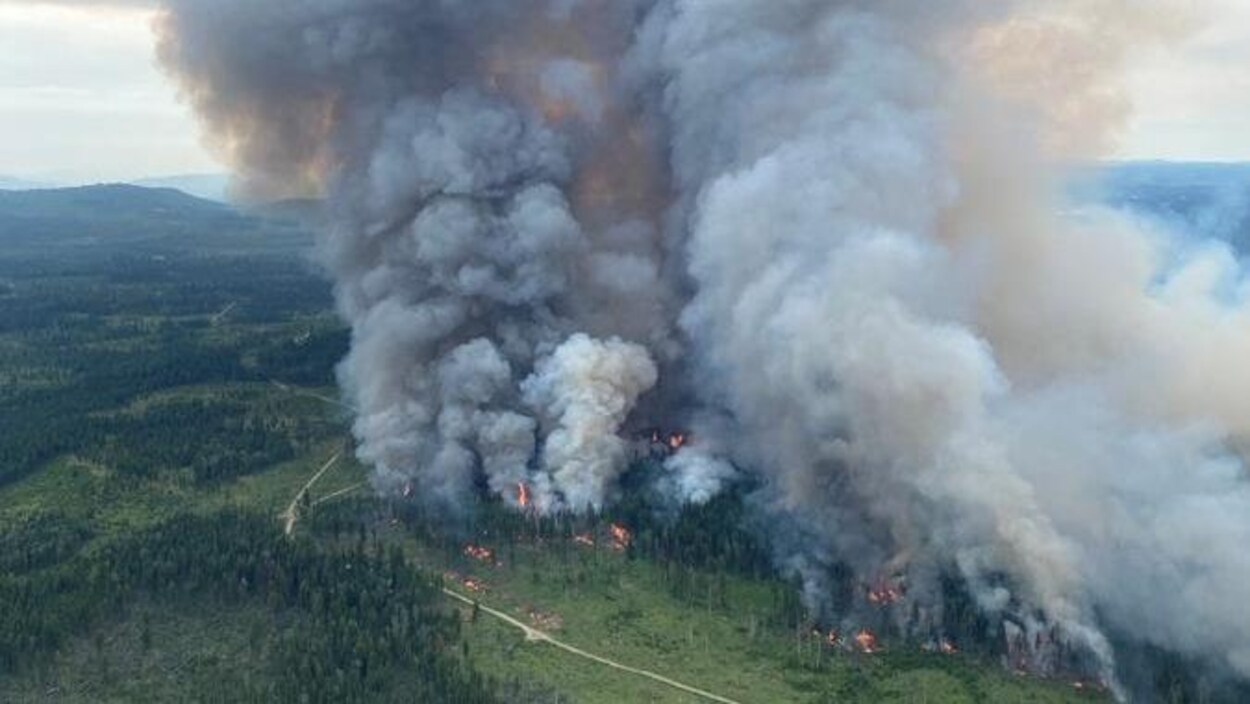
x=81, y=97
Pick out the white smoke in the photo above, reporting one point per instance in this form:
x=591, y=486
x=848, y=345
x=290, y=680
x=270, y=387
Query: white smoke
x=694, y=475
x=919, y=349
x=832, y=225
x=585, y=391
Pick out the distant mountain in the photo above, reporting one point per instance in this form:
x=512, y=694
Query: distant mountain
x=309, y=212
x=207, y=186
x=12, y=183
x=107, y=201
x=89, y=218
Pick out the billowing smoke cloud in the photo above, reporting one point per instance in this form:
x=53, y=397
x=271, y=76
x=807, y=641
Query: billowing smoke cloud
x=586, y=390
x=829, y=228
x=492, y=210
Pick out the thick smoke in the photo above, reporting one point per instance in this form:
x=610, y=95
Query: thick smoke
x=829, y=228
x=491, y=209
x=585, y=391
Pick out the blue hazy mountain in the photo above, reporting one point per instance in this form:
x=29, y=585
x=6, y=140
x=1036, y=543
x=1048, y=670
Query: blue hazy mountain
x=113, y=216
x=214, y=187
x=1204, y=199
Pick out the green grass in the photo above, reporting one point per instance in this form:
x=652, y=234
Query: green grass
x=501, y=650
x=614, y=607
x=271, y=492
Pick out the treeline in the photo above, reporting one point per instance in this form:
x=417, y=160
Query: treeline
x=366, y=626
x=47, y=295
x=695, y=549
x=41, y=540
x=227, y=439
x=40, y=424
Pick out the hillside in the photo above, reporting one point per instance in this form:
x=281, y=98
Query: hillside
x=142, y=562
x=211, y=187
x=134, y=218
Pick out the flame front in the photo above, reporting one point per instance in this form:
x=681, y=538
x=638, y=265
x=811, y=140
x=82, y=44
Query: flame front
x=885, y=593
x=479, y=553
x=622, y=537
x=866, y=641
x=523, y=498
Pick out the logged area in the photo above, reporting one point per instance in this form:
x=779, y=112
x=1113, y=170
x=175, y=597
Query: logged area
x=182, y=517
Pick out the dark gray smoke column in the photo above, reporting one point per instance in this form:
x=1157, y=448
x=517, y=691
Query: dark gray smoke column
x=844, y=207
x=493, y=216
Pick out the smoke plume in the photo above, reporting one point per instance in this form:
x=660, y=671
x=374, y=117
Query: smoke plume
x=830, y=231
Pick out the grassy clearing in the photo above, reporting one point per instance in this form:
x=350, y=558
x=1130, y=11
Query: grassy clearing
x=609, y=605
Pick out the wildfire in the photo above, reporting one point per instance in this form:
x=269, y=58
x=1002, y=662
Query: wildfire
x=866, y=641
x=523, y=498
x=947, y=647
x=885, y=593
x=585, y=539
x=834, y=638
x=668, y=442
x=472, y=584
x=479, y=553
x=408, y=490
x=622, y=538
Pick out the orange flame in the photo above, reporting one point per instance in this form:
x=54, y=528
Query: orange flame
x=885, y=593
x=585, y=539
x=523, y=497
x=866, y=641
x=479, y=553
x=622, y=538
x=676, y=441
x=947, y=647
x=472, y=584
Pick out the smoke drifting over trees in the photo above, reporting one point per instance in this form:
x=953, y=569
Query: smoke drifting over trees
x=825, y=233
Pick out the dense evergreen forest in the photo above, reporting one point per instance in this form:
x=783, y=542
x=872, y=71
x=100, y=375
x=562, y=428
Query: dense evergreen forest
x=366, y=626
x=156, y=359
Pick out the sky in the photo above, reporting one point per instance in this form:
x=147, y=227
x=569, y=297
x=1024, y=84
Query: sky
x=82, y=99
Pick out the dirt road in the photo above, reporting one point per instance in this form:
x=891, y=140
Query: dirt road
x=534, y=635
x=291, y=514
